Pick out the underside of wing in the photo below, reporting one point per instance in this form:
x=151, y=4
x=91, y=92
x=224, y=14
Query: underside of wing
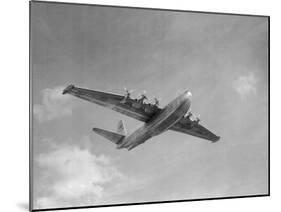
x=129, y=107
x=195, y=129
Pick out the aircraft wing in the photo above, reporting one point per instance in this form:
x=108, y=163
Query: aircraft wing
x=192, y=128
x=112, y=101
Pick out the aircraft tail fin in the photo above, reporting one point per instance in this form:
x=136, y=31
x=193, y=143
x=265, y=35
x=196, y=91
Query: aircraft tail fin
x=121, y=129
x=113, y=137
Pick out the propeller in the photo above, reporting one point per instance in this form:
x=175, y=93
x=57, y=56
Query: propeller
x=143, y=95
x=197, y=119
x=192, y=117
x=128, y=92
x=157, y=101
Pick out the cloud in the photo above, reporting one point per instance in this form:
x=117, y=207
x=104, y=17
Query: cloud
x=54, y=105
x=71, y=176
x=246, y=85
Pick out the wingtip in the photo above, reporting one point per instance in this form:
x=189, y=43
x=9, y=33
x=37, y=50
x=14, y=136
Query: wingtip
x=67, y=89
x=97, y=130
x=216, y=139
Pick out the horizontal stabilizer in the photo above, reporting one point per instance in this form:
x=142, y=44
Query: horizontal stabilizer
x=67, y=89
x=113, y=137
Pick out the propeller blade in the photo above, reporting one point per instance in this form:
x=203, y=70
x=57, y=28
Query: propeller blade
x=157, y=101
x=143, y=94
x=128, y=91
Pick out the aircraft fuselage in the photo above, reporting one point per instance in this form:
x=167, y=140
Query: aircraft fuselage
x=161, y=122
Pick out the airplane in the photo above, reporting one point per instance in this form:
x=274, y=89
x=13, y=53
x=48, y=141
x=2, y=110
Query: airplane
x=174, y=116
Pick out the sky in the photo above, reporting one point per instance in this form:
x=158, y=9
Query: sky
x=221, y=59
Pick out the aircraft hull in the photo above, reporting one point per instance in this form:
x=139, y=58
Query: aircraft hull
x=171, y=114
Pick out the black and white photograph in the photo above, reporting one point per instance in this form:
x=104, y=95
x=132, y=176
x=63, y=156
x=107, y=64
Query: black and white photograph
x=137, y=105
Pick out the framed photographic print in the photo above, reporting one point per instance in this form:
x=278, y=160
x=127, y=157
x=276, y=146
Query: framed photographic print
x=139, y=105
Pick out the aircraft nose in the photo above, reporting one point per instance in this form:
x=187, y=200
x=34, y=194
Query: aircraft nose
x=188, y=94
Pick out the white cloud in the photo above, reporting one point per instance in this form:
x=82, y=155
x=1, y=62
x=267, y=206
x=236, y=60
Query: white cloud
x=246, y=85
x=72, y=176
x=54, y=104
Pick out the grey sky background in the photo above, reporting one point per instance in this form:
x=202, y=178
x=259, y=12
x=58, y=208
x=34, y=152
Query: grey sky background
x=221, y=59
